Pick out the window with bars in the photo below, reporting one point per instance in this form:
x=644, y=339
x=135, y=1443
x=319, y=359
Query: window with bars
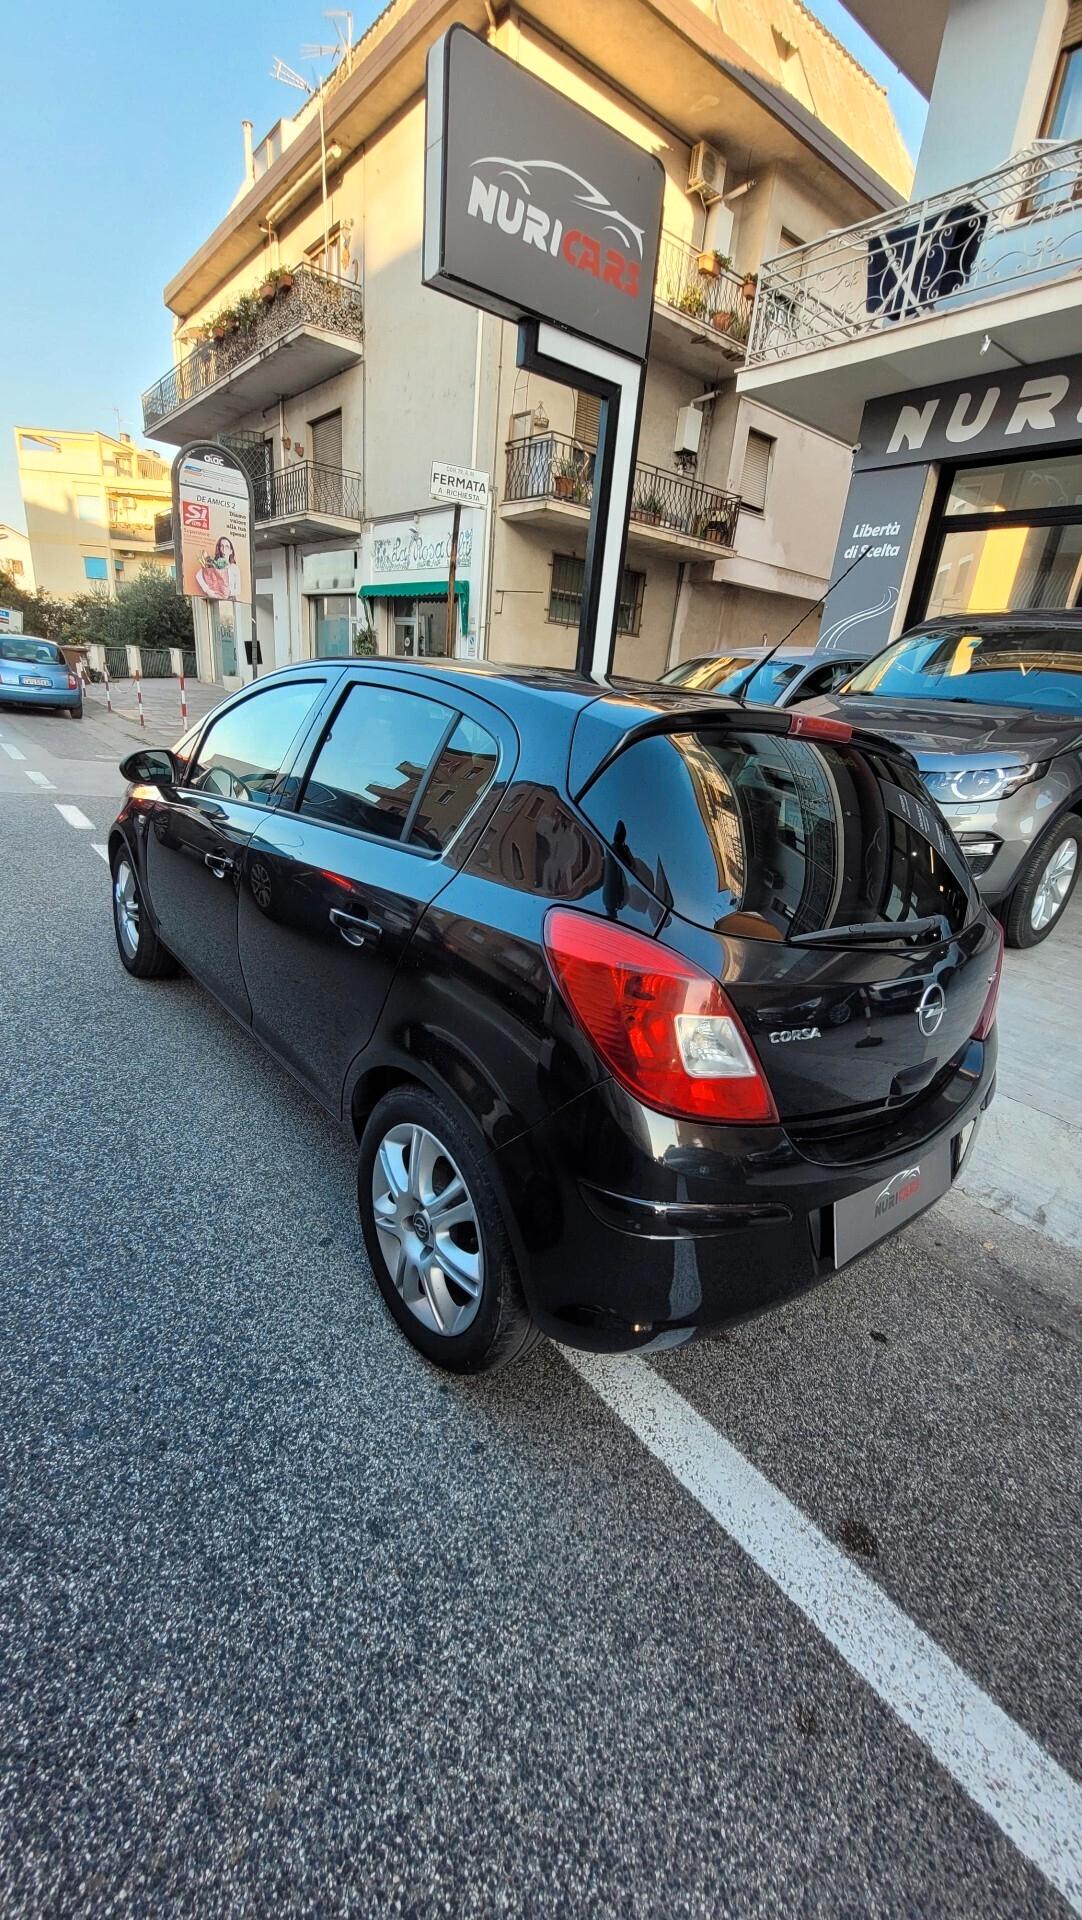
x=755, y=477
x=565, y=597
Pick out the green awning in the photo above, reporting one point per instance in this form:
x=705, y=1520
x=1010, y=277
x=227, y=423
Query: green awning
x=421, y=590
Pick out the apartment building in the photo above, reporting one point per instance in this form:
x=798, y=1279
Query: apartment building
x=90, y=501
x=16, y=557
x=304, y=338
x=944, y=341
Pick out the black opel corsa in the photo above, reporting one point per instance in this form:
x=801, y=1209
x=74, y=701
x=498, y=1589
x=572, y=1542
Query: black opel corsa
x=646, y=1009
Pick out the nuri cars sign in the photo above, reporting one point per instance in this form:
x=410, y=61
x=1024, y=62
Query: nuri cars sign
x=533, y=207
x=462, y=485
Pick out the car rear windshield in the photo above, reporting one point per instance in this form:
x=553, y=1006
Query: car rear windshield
x=31, y=653
x=723, y=673
x=1009, y=667
x=764, y=836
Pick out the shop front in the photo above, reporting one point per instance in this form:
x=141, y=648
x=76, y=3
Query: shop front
x=964, y=499
x=404, y=592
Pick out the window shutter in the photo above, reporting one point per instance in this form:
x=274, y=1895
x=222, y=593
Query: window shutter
x=587, y=418
x=756, y=470
x=1072, y=32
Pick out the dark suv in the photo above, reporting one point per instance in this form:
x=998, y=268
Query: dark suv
x=646, y=1009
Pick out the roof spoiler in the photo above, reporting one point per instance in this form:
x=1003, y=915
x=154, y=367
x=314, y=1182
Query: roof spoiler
x=804, y=726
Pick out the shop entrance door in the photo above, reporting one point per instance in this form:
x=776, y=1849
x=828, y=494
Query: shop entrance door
x=420, y=629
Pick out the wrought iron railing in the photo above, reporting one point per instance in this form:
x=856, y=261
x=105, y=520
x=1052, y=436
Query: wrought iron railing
x=307, y=487
x=311, y=298
x=1019, y=226
x=138, y=530
x=713, y=294
x=551, y=466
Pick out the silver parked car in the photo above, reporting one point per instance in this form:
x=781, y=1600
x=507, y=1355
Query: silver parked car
x=990, y=706
x=773, y=679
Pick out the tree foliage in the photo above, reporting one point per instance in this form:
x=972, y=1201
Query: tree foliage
x=147, y=612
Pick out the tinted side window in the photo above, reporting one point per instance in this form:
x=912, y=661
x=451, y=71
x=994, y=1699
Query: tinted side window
x=243, y=753
x=372, y=761
x=459, y=778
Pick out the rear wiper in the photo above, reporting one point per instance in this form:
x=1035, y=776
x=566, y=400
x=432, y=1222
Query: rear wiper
x=872, y=930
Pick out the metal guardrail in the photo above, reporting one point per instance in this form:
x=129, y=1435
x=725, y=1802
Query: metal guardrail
x=717, y=299
x=313, y=298
x=1016, y=227
x=551, y=466
x=307, y=487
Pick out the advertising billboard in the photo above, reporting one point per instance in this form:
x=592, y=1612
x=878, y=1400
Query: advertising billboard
x=534, y=208
x=212, y=516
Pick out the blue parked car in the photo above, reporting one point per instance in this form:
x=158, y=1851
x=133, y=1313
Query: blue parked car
x=34, y=673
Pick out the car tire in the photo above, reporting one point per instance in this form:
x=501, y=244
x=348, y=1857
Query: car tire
x=414, y=1149
x=140, y=950
x=1045, y=885
x=76, y=712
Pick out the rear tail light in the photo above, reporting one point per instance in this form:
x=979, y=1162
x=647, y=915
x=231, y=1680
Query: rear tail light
x=814, y=726
x=72, y=682
x=991, y=1006
x=663, y=1027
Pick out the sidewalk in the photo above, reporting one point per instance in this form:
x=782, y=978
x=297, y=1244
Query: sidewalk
x=161, y=706
x=1027, y=1158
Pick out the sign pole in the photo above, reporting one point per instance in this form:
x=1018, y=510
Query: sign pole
x=452, y=569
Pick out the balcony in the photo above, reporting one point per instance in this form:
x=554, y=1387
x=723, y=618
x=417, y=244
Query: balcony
x=549, y=483
x=905, y=299
x=125, y=530
x=311, y=330
x=700, y=318
x=307, y=502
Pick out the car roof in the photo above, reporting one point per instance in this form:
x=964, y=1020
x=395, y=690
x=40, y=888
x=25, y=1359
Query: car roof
x=1023, y=619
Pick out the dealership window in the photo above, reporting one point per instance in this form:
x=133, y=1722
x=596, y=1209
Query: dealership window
x=755, y=477
x=1008, y=537
x=565, y=597
x=95, y=566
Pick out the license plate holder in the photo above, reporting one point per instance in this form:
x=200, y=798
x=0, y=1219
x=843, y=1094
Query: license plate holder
x=866, y=1217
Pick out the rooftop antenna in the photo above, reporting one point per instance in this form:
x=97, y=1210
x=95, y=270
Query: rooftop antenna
x=289, y=77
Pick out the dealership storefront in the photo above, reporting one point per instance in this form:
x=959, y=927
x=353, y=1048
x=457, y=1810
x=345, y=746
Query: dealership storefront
x=964, y=499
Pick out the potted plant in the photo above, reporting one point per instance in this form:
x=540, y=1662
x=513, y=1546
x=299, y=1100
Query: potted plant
x=650, y=509
x=285, y=279
x=751, y=281
x=692, y=301
x=713, y=263
x=269, y=288
x=246, y=311
x=565, y=473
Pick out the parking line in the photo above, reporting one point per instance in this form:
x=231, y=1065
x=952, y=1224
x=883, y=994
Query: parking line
x=1028, y=1795
x=40, y=779
x=100, y=848
x=74, y=816
x=12, y=752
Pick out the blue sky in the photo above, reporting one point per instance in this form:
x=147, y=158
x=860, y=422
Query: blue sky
x=122, y=149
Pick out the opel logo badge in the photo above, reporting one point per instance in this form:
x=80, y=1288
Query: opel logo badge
x=933, y=1005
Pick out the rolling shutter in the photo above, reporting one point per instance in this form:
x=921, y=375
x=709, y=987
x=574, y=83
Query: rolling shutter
x=753, y=480
x=587, y=418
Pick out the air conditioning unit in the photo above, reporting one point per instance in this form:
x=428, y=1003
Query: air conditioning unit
x=706, y=174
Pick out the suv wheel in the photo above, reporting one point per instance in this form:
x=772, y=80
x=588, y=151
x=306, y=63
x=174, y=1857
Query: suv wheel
x=436, y=1237
x=138, y=944
x=1046, y=884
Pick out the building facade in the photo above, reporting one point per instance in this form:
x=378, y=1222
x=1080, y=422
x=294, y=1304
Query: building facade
x=304, y=338
x=91, y=500
x=944, y=343
x=16, y=557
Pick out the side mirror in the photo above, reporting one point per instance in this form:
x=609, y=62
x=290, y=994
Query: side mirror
x=152, y=767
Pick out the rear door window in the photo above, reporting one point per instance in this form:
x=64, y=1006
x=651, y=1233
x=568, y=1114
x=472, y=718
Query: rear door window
x=373, y=759
x=764, y=836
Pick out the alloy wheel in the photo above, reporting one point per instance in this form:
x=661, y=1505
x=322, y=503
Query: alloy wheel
x=427, y=1227
x=1054, y=886
x=126, y=907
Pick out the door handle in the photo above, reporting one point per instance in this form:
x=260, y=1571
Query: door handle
x=219, y=864
x=355, y=931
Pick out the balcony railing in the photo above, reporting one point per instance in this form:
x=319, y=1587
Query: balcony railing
x=315, y=299
x=716, y=299
x=122, y=528
x=550, y=466
x=1018, y=227
x=307, y=488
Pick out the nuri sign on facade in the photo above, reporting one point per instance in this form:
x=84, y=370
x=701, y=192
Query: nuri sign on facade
x=547, y=212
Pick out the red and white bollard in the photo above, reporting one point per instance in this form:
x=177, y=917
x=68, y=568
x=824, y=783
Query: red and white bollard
x=139, y=698
x=183, y=700
x=108, y=690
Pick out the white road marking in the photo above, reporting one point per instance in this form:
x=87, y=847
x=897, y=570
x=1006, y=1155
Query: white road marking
x=74, y=816
x=103, y=850
x=1028, y=1795
x=12, y=752
x=40, y=779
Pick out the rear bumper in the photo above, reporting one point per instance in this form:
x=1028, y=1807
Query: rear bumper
x=635, y=1229
x=40, y=696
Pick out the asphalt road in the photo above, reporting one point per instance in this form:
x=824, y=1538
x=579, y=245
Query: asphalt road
x=291, y=1623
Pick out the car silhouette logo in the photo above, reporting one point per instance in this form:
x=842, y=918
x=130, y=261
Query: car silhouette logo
x=933, y=1005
